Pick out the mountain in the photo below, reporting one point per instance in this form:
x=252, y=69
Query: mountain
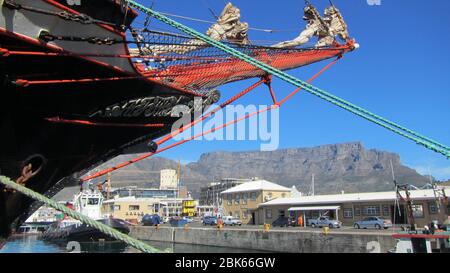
x=345, y=167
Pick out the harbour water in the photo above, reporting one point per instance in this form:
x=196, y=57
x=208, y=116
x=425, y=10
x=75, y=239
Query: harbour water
x=33, y=244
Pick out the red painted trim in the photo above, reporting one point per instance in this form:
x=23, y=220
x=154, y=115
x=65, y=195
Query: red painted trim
x=115, y=68
x=100, y=124
x=421, y=236
x=56, y=4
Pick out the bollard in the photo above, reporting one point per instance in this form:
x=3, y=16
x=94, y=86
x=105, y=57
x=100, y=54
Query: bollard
x=266, y=227
x=186, y=227
x=157, y=226
x=326, y=230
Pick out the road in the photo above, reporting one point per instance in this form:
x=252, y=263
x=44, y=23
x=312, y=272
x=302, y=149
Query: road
x=344, y=229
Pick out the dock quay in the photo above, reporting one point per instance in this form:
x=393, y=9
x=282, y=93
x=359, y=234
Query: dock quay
x=288, y=240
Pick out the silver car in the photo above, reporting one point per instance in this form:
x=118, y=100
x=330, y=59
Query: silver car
x=373, y=222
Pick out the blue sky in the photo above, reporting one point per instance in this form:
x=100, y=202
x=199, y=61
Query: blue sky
x=401, y=72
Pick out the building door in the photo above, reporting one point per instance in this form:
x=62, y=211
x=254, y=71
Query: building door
x=398, y=217
x=253, y=221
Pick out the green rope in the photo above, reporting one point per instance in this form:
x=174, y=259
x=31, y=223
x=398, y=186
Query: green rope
x=396, y=128
x=75, y=215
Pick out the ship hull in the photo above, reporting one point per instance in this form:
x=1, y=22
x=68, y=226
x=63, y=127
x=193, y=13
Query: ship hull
x=84, y=233
x=68, y=114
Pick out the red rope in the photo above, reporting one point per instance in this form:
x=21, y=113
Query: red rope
x=90, y=123
x=181, y=130
x=209, y=114
x=309, y=81
x=5, y=53
x=175, y=133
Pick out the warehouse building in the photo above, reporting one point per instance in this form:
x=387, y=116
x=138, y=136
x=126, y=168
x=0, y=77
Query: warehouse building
x=428, y=205
x=242, y=201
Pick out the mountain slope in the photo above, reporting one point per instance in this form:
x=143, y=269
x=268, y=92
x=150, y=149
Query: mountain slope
x=345, y=167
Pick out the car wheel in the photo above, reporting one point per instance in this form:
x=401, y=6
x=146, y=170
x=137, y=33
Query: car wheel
x=377, y=226
x=386, y=227
x=330, y=226
x=356, y=226
x=313, y=225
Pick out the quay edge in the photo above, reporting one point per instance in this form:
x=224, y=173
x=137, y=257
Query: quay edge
x=272, y=241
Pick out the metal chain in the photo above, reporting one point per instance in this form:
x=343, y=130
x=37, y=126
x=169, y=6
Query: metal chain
x=47, y=37
x=398, y=129
x=80, y=18
x=78, y=216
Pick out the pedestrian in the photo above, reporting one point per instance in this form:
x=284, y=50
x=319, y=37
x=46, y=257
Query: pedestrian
x=300, y=220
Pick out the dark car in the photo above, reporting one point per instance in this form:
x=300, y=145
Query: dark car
x=209, y=221
x=151, y=220
x=281, y=222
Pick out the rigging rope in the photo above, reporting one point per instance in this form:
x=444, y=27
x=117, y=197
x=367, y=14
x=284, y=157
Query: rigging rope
x=393, y=127
x=207, y=115
x=78, y=216
x=211, y=22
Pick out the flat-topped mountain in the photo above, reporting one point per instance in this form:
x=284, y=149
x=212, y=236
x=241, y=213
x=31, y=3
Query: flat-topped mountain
x=345, y=167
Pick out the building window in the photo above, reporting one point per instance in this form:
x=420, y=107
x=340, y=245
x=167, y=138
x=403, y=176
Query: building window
x=244, y=214
x=237, y=214
x=237, y=199
x=281, y=213
x=116, y=207
x=230, y=200
x=283, y=195
x=357, y=211
x=372, y=210
x=386, y=211
x=348, y=213
x=432, y=208
x=269, y=213
x=133, y=207
x=417, y=211
x=244, y=198
x=253, y=196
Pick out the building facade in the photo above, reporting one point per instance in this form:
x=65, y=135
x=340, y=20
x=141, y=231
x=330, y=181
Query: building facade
x=132, y=209
x=355, y=207
x=210, y=195
x=144, y=193
x=243, y=200
x=168, y=179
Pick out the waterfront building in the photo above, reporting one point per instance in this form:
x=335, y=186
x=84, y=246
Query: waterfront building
x=352, y=207
x=202, y=211
x=242, y=201
x=45, y=215
x=210, y=195
x=168, y=179
x=144, y=193
x=132, y=209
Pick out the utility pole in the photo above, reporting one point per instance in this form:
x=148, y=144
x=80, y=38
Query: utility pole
x=312, y=185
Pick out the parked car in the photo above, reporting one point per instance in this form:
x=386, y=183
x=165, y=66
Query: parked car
x=165, y=220
x=188, y=219
x=231, y=221
x=282, y=222
x=373, y=222
x=151, y=220
x=324, y=221
x=209, y=220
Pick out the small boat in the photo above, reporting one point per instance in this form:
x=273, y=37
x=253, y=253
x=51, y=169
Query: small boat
x=87, y=203
x=32, y=229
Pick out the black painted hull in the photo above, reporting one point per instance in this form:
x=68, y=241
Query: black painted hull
x=84, y=233
x=66, y=129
